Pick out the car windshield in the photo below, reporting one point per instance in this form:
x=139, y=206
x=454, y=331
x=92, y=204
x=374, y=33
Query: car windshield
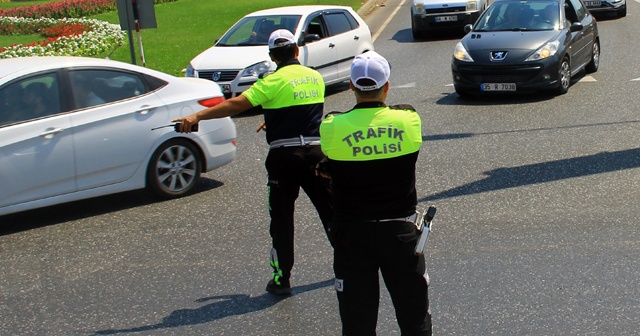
x=520, y=16
x=255, y=30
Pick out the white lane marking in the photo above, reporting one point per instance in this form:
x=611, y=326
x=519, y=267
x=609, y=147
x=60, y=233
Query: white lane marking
x=586, y=79
x=408, y=85
x=636, y=79
x=384, y=25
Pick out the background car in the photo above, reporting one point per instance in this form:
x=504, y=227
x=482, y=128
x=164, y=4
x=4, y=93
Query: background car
x=525, y=45
x=329, y=38
x=618, y=7
x=74, y=128
x=431, y=15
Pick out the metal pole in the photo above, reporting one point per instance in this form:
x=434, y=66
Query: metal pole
x=131, y=49
x=136, y=17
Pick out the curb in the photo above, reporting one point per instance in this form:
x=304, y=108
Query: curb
x=368, y=7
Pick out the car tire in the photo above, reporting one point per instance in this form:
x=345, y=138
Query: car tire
x=595, y=58
x=174, y=169
x=415, y=32
x=564, y=76
x=462, y=93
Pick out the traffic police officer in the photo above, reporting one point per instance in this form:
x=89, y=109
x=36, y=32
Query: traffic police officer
x=292, y=100
x=371, y=157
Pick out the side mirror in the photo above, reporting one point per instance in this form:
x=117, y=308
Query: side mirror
x=576, y=26
x=468, y=28
x=311, y=38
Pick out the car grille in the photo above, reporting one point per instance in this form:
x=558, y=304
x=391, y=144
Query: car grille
x=506, y=74
x=446, y=10
x=225, y=75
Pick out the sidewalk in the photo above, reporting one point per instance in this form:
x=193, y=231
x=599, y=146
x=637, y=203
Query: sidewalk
x=375, y=12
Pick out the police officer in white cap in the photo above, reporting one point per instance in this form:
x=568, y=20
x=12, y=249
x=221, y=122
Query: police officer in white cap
x=371, y=158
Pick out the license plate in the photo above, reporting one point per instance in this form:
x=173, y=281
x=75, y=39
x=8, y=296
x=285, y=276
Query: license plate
x=592, y=3
x=226, y=88
x=450, y=18
x=498, y=87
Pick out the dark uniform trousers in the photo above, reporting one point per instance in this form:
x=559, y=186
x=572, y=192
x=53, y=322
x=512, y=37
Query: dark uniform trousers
x=363, y=248
x=289, y=169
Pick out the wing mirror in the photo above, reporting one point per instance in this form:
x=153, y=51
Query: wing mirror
x=576, y=26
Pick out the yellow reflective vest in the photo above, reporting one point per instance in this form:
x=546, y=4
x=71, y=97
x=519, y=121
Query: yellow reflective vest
x=371, y=133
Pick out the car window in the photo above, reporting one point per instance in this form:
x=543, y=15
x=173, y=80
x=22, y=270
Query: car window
x=96, y=87
x=30, y=98
x=569, y=13
x=338, y=23
x=581, y=11
x=255, y=30
x=316, y=26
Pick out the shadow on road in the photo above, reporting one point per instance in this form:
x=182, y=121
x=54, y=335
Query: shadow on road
x=405, y=36
x=505, y=178
x=224, y=306
x=67, y=212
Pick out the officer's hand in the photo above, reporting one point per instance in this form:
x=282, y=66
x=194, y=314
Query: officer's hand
x=322, y=170
x=186, y=123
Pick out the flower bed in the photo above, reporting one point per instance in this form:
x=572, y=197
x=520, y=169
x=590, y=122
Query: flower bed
x=65, y=37
x=62, y=9
x=65, y=30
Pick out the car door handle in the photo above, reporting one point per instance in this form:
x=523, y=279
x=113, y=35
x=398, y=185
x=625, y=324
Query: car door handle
x=356, y=37
x=331, y=45
x=50, y=132
x=144, y=109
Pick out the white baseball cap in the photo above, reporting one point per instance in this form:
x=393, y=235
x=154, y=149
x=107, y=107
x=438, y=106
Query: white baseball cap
x=284, y=38
x=372, y=66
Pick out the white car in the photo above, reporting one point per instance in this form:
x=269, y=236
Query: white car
x=431, y=15
x=329, y=38
x=73, y=128
x=619, y=7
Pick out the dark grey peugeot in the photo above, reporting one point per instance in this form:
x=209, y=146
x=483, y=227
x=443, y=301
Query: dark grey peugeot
x=526, y=45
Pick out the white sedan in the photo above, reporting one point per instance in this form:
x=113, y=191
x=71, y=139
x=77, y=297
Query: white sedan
x=73, y=128
x=329, y=38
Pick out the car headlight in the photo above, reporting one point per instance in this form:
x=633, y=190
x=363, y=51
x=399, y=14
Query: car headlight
x=547, y=50
x=190, y=72
x=472, y=5
x=419, y=8
x=256, y=69
x=461, y=54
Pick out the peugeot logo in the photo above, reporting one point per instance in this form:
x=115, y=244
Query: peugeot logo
x=216, y=76
x=498, y=55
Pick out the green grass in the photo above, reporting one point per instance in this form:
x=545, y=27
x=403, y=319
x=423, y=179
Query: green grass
x=5, y=5
x=19, y=39
x=188, y=27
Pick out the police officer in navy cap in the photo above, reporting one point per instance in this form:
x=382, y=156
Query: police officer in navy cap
x=292, y=100
x=371, y=159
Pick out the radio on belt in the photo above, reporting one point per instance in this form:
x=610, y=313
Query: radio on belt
x=425, y=227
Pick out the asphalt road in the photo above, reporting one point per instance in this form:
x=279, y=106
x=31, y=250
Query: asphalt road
x=536, y=232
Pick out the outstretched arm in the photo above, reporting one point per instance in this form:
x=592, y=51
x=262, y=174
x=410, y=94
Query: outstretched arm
x=227, y=108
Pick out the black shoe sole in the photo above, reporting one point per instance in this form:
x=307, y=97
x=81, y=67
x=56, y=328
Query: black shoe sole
x=279, y=291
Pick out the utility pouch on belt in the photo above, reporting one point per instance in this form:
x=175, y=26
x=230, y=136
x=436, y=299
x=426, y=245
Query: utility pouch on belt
x=424, y=227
